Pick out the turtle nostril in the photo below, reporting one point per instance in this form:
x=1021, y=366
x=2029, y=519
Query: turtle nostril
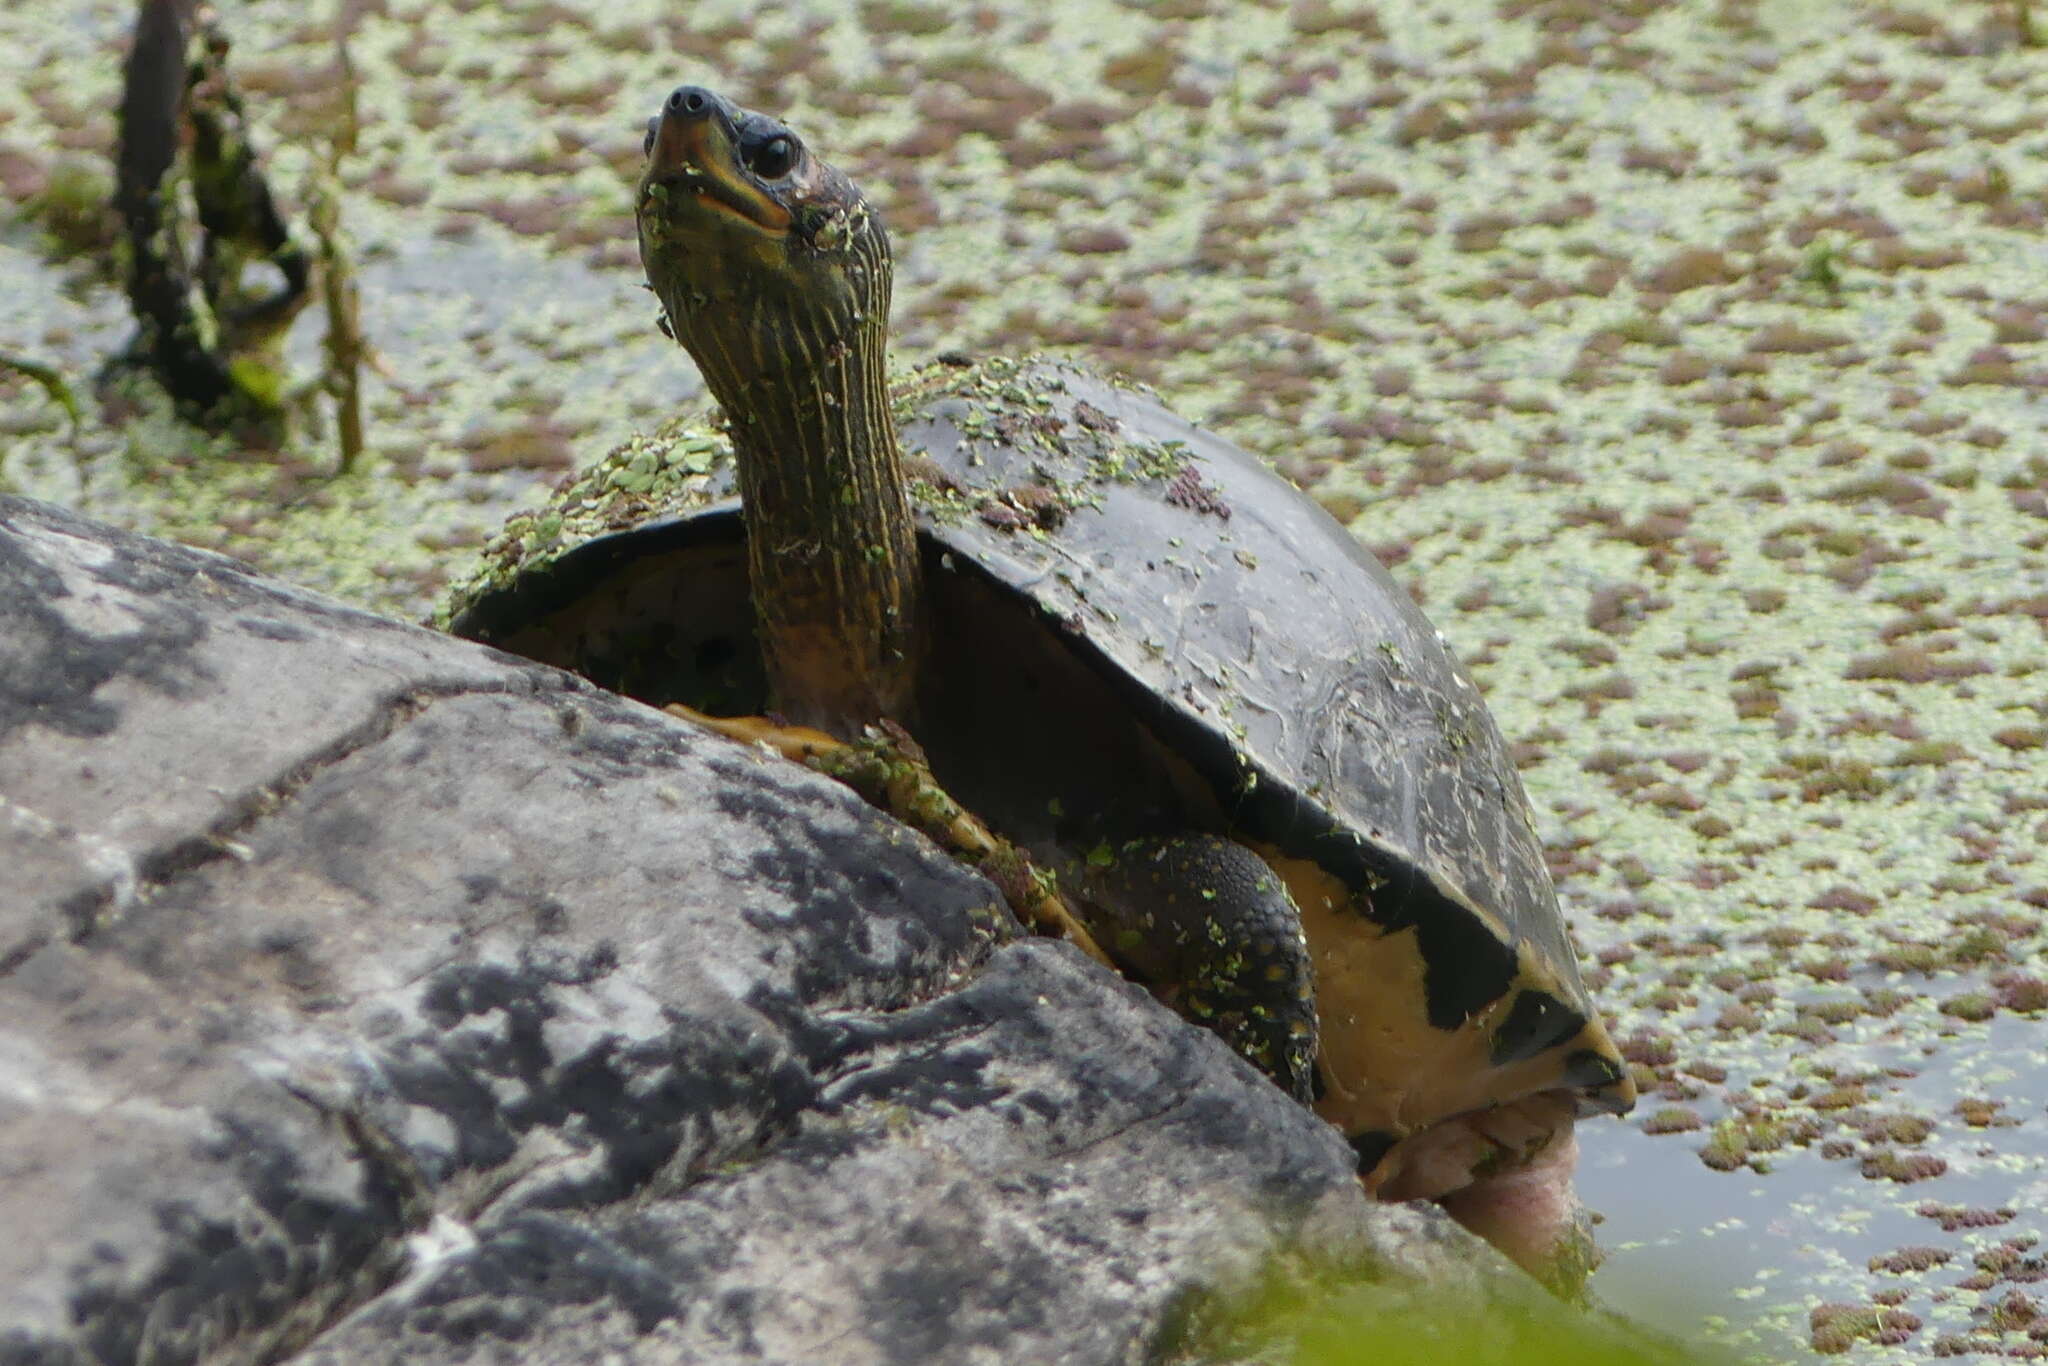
x=694, y=102
x=688, y=99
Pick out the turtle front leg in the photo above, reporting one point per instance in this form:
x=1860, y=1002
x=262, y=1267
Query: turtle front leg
x=1210, y=928
x=799, y=744
x=1506, y=1174
x=886, y=767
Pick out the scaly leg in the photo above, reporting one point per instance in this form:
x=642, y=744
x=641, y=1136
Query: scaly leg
x=1208, y=926
x=886, y=767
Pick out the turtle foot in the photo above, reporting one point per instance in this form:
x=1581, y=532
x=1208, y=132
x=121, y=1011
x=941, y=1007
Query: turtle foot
x=1532, y=1214
x=1505, y=1174
x=888, y=769
x=798, y=743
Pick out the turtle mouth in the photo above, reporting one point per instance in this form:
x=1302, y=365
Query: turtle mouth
x=694, y=153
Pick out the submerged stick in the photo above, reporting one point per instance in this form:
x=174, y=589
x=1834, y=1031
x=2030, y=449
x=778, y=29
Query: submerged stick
x=182, y=274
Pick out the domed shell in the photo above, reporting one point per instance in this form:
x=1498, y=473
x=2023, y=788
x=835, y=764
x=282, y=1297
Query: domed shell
x=1234, y=617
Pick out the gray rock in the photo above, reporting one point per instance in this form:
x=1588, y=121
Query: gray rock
x=367, y=996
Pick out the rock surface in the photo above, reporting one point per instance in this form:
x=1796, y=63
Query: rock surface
x=367, y=996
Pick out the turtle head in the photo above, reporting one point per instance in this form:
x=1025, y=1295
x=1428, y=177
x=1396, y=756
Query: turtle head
x=774, y=273
x=764, y=257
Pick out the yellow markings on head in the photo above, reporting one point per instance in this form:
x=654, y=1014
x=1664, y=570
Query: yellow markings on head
x=754, y=209
x=768, y=249
x=699, y=153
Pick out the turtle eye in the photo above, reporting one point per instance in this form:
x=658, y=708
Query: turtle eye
x=647, y=143
x=774, y=158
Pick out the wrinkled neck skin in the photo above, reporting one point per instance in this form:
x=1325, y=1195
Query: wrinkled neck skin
x=831, y=546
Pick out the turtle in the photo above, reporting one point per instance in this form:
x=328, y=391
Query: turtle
x=1242, y=754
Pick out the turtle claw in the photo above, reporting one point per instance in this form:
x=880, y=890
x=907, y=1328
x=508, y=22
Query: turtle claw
x=800, y=744
x=888, y=769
